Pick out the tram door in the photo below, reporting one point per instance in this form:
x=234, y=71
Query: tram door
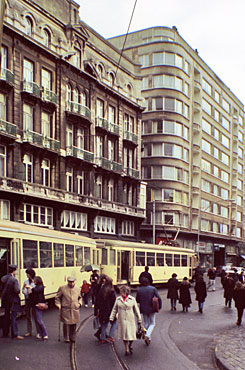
x=4, y=256
x=122, y=265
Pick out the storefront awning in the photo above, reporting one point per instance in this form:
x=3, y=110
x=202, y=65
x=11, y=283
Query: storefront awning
x=243, y=256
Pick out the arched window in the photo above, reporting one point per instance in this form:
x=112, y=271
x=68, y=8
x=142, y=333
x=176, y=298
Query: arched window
x=111, y=79
x=77, y=57
x=46, y=37
x=76, y=96
x=83, y=99
x=68, y=93
x=28, y=26
x=100, y=71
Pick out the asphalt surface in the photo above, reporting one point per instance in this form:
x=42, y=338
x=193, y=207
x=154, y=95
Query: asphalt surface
x=180, y=341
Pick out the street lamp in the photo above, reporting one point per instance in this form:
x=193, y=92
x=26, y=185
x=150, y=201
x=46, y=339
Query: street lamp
x=230, y=201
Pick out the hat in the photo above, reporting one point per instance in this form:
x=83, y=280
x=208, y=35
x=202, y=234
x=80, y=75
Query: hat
x=12, y=267
x=71, y=278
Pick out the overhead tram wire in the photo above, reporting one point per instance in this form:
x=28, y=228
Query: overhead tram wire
x=125, y=38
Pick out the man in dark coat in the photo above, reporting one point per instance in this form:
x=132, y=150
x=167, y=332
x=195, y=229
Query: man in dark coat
x=239, y=298
x=173, y=286
x=11, y=302
x=146, y=274
x=144, y=297
x=201, y=293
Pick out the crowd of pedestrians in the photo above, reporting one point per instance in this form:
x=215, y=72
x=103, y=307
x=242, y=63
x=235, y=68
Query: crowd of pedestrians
x=128, y=314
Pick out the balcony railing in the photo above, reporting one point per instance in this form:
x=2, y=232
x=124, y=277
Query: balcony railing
x=8, y=128
x=109, y=164
x=7, y=75
x=83, y=154
x=131, y=137
x=31, y=88
x=102, y=122
x=112, y=127
x=49, y=96
x=132, y=172
x=78, y=108
x=41, y=140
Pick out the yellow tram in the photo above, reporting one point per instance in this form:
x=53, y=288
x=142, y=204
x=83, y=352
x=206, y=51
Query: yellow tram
x=53, y=255
x=124, y=261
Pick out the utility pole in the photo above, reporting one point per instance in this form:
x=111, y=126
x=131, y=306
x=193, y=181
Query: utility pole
x=2, y=10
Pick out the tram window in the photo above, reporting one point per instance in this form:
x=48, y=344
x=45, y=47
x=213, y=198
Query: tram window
x=183, y=260
x=104, y=256
x=29, y=253
x=87, y=255
x=169, y=260
x=112, y=257
x=69, y=255
x=79, y=255
x=150, y=259
x=58, y=255
x=176, y=260
x=140, y=258
x=160, y=259
x=45, y=254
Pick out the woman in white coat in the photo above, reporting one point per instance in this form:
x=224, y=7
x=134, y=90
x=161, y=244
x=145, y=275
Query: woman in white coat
x=127, y=309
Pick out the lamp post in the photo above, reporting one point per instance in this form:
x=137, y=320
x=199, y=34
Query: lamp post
x=230, y=201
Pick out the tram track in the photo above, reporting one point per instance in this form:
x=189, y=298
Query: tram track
x=73, y=359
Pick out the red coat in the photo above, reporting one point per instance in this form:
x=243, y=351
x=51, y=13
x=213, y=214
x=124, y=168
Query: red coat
x=85, y=288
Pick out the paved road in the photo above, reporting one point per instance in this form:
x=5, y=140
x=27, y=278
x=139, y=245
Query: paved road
x=181, y=341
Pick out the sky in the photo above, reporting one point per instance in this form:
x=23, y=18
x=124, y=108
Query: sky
x=216, y=28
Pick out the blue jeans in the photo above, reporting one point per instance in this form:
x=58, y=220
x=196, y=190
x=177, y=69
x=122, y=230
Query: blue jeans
x=149, y=323
x=39, y=322
x=111, y=332
x=14, y=327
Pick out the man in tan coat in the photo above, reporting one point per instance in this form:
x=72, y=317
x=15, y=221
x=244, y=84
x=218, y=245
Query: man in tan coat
x=68, y=300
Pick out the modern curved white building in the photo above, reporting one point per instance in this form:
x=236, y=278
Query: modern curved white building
x=193, y=148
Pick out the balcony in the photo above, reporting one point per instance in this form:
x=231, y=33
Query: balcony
x=79, y=153
x=8, y=128
x=196, y=127
x=102, y=122
x=130, y=136
x=49, y=96
x=108, y=164
x=78, y=109
x=112, y=127
x=32, y=88
x=41, y=140
x=132, y=172
x=197, y=107
x=7, y=76
x=197, y=86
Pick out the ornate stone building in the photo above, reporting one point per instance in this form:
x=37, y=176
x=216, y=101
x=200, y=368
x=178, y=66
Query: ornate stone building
x=70, y=125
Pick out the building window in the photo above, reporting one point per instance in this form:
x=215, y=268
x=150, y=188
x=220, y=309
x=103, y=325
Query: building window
x=3, y=161
x=4, y=57
x=68, y=93
x=128, y=228
x=224, y=193
x=205, y=225
x=238, y=232
x=28, y=164
x=226, y=105
x=240, y=152
x=165, y=58
x=36, y=215
x=239, y=168
x=46, y=38
x=224, y=229
x=111, y=78
x=239, y=216
x=216, y=134
x=28, y=26
x=206, y=146
x=27, y=117
x=74, y=220
x=111, y=190
x=239, y=200
x=239, y=184
x=80, y=182
x=28, y=72
x=167, y=81
x=205, y=186
x=206, y=107
x=216, y=115
x=111, y=150
x=45, y=172
x=3, y=110
x=216, y=96
x=100, y=108
x=225, y=159
x=99, y=146
x=144, y=60
x=206, y=126
x=106, y=225
x=224, y=211
x=69, y=179
x=46, y=124
x=99, y=189
x=225, y=123
x=80, y=138
x=4, y=209
x=69, y=136
x=206, y=87
x=46, y=79
x=225, y=141
x=112, y=114
x=224, y=176
x=206, y=166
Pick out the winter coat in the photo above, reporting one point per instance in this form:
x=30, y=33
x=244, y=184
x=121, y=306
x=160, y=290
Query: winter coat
x=239, y=297
x=201, y=290
x=229, y=285
x=211, y=274
x=68, y=298
x=185, y=296
x=10, y=295
x=144, y=298
x=173, y=286
x=104, y=305
x=128, y=312
x=37, y=295
x=85, y=288
x=147, y=275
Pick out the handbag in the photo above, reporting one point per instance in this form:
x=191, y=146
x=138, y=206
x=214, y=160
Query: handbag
x=42, y=306
x=155, y=304
x=139, y=332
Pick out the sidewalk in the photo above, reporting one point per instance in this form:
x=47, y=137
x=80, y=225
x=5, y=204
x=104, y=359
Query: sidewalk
x=230, y=349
